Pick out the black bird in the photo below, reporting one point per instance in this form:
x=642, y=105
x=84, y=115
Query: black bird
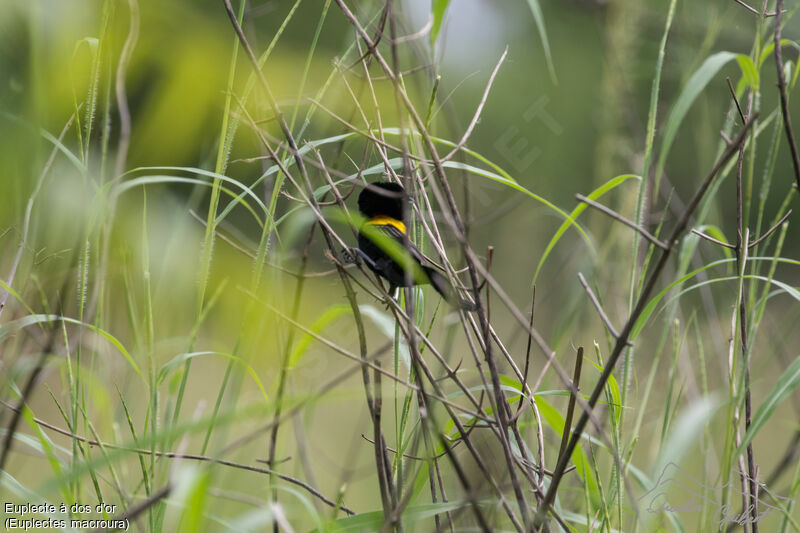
x=382, y=239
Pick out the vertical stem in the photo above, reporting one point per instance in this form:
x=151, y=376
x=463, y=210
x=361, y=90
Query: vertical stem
x=576, y=380
x=787, y=122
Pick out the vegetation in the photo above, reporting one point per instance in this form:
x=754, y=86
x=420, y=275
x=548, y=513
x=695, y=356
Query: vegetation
x=186, y=344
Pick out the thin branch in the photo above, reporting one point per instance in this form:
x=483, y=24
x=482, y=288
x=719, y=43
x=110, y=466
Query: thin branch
x=576, y=380
x=355, y=128
x=133, y=512
x=479, y=109
x=771, y=230
x=742, y=241
x=641, y=302
x=272, y=101
x=598, y=307
x=372, y=45
x=712, y=239
x=735, y=99
x=251, y=255
x=190, y=456
x=619, y=218
x=407, y=455
x=756, y=11
x=28, y=211
x=287, y=352
x=787, y=122
x=725, y=138
x=27, y=389
x=524, y=380
x=416, y=35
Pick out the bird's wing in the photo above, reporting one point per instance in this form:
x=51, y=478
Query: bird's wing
x=400, y=237
x=433, y=271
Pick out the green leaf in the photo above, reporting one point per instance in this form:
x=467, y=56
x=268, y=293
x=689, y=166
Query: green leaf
x=16, y=325
x=749, y=71
x=16, y=296
x=651, y=305
x=330, y=314
x=716, y=232
x=183, y=357
x=373, y=520
x=49, y=451
x=556, y=422
x=510, y=182
x=613, y=389
x=693, y=88
x=385, y=324
x=595, y=194
x=783, y=388
x=438, y=10
x=769, y=49
x=687, y=427
x=536, y=9
x=196, y=502
x=192, y=170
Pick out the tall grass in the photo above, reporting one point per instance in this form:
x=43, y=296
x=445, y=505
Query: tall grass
x=187, y=349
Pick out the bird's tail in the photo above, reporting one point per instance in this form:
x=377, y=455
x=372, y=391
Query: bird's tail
x=443, y=287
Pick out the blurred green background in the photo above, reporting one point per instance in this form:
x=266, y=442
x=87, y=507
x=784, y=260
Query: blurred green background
x=131, y=264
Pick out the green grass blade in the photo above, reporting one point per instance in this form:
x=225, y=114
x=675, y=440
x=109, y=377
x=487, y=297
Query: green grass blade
x=595, y=194
x=536, y=10
x=782, y=389
x=697, y=82
x=438, y=10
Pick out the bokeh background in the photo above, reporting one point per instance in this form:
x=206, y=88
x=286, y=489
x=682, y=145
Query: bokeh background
x=130, y=263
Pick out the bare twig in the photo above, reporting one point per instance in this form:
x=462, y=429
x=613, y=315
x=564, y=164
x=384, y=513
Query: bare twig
x=251, y=255
x=641, y=302
x=771, y=230
x=725, y=138
x=712, y=239
x=787, y=122
x=355, y=129
x=598, y=307
x=28, y=210
x=619, y=218
x=133, y=512
x=478, y=110
x=756, y=11
x=524, y=380
x=189, y=456
x=742, y=240
x=387, y=486
x=27, y=390
x=425, y=30
x=735, y=99
x=287, y=352
x=408, y=455
x=576, y=380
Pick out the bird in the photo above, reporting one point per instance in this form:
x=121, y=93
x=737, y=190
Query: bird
x=383, y=237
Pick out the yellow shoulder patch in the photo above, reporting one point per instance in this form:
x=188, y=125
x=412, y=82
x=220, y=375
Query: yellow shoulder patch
x=383, y=220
